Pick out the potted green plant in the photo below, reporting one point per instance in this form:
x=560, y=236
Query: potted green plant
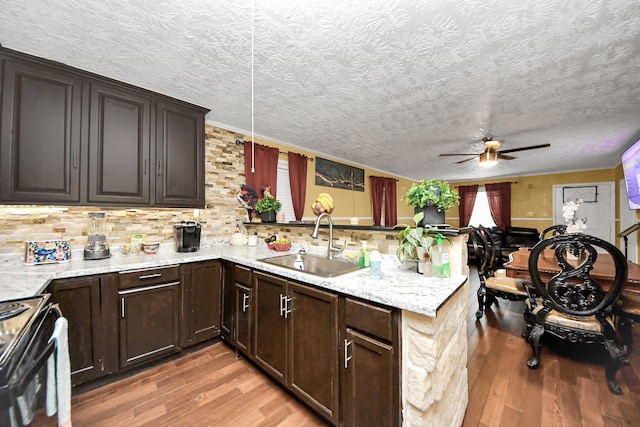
x=267, y=208
x=433, y=197
x=414, y=243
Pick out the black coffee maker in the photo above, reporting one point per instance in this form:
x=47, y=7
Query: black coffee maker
x=187, y=236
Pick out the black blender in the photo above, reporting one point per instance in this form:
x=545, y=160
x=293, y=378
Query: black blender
x=97, y=246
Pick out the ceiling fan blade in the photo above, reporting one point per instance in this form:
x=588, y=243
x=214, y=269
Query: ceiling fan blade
x=467, y=160
x=531, y=147
x=458, y=154
x=505, y=157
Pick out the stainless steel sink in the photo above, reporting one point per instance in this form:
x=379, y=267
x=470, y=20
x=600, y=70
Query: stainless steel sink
x=314, y=264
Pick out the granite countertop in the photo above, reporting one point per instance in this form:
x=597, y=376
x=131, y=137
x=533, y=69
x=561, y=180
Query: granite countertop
x=400, y=286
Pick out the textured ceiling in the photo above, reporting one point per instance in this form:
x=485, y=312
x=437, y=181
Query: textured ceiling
x=388, y=84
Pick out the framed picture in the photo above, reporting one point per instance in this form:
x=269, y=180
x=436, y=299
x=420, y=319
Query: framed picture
x=337, y=175
x=587, y=193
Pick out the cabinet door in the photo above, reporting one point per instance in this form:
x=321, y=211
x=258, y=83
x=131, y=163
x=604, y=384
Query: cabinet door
x=243, y=318
x=179, y=165
x=313, y=348
x=148, y=322
x=228, y=304
x=79, y=299
x=119, y=144
x=203, y=306
x=270, y=325
x=40, y=135
x=369, y=397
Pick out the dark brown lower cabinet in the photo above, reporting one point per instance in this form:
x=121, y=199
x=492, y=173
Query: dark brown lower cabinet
x=296, y=340
x=313, y=348
x=367, y=382
x=202, y=285
x=149, y=314
x=237, y=308
x=270, y=325
x=90, y=306
x=370, y=378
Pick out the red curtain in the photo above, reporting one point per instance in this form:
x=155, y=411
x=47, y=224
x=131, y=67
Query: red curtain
x=467, y=201
x=499, y=196
x=390, y=202
x=377, y=189
x=386, y=186
x=298, y=182
x=265, y=165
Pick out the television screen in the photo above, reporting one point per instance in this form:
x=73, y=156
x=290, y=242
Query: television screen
x=631, y=167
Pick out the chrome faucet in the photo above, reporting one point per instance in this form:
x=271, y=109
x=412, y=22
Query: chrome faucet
x=314, y=235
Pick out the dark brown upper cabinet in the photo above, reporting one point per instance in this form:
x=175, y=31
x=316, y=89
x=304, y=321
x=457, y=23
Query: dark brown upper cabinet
x=179, y=155
x=70, y=137
x=119, y=146
x=40, y=134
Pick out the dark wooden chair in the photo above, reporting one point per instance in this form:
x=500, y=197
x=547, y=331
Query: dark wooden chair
x=554, y=230
x=494, y=282
x=571, y=304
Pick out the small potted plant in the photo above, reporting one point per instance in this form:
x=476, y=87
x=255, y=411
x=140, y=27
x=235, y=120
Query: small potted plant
x=267, y=208
x=433, y=197
x=414, y=243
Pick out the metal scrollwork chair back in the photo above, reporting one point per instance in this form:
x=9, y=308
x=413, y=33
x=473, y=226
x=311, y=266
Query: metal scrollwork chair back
x=494, y=282
x=573, y=305
x=554, y=230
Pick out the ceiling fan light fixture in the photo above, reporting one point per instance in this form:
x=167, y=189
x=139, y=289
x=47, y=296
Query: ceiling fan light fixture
x=488, y=159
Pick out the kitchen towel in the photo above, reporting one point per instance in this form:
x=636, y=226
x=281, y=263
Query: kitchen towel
x=59, y=375
x=24, y=404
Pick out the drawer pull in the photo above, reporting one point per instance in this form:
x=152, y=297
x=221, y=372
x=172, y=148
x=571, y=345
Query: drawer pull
x=146, y=288
x=150, y=276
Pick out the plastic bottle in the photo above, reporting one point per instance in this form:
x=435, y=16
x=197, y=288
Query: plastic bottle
x=375, y=271
x=441, y=266
x=436, y=261
x=298, y=263
x=364, y=255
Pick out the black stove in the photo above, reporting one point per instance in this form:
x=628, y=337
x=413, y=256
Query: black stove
x=9, y=309
x=16, y=319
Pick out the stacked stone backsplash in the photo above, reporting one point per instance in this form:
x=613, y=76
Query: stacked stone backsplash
x=224, y=171
x=384, y=241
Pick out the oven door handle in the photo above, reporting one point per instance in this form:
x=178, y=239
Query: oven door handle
x=23, y=381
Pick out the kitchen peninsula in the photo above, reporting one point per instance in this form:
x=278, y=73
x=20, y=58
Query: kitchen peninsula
x=432, y=313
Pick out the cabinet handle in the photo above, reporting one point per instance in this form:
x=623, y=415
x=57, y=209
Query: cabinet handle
x=122, y=307
x=287, y=300
x=150, y=276
x=147, y=288
x=146, y=166
x=74, y=154
x=159, y=168
x=347, y=343
x=282, y=307
x=245, y=305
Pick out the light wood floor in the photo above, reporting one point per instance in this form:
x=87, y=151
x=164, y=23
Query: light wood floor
x=212, y=387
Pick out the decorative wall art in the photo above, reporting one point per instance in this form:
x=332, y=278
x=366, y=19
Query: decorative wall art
x=586, y=193
x=337, y=175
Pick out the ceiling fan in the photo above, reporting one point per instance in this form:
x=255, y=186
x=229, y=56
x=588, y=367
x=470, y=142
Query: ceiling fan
x=490, y=155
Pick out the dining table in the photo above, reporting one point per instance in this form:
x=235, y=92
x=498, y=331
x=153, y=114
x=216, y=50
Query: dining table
x=603, y=269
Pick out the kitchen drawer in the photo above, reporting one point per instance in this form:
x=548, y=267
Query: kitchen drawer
x=242, y=275
x=152, y=276
x=370, y=319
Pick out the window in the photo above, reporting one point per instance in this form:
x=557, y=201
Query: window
x=284, y=191
x=481, y=214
